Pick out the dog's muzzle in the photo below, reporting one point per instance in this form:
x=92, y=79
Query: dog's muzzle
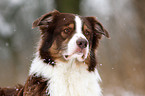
x=80, y=52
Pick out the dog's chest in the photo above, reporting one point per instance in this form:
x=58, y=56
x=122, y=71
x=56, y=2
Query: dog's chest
x=67, y=79
x=73, y=80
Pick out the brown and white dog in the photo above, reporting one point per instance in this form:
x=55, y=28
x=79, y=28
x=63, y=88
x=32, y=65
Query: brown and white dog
x=65, y=63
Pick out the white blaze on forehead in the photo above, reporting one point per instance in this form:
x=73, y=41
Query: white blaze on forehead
x=72, y=48
x=78, y=24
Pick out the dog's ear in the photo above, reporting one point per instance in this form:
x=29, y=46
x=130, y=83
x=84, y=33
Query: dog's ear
x=98, y=27
x=45, y=19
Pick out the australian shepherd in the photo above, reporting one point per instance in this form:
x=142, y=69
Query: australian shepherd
x=65, y=61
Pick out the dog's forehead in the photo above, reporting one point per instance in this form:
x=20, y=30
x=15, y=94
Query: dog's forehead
x=68, y=18
x=65, y=18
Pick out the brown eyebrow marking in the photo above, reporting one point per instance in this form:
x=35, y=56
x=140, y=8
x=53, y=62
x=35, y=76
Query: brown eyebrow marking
x=85, y=27
x=71, y=25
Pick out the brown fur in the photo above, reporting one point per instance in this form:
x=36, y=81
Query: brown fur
x=35, y=86
x=17, y=91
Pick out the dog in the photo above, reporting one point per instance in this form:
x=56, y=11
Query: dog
x=65, y=62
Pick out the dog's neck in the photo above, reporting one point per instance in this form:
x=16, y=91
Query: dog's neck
x=67, y=79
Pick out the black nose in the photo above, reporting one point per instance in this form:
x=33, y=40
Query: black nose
x=82, y=43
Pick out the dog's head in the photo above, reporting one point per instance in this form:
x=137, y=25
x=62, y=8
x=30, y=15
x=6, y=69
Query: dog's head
x=66, y=36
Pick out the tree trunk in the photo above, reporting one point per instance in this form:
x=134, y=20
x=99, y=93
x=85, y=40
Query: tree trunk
x=68, y=6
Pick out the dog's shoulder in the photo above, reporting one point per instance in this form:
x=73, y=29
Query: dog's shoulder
x=35, y=86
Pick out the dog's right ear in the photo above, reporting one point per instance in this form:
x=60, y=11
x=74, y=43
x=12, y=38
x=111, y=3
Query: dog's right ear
x=45, y=19
x=98, y=27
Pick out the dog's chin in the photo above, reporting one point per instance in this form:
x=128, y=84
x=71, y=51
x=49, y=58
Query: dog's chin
x=78, y=56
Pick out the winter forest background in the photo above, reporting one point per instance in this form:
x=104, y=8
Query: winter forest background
x=121, y=58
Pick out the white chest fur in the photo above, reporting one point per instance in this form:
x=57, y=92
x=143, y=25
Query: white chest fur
x=68, y=79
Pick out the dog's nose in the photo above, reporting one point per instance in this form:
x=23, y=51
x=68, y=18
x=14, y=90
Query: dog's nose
x=82, y=43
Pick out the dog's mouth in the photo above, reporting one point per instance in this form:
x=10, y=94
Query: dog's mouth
x=78, y=54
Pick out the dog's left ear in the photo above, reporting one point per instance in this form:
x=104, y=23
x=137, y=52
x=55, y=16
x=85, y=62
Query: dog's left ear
x=45, y=19
x=98, y=27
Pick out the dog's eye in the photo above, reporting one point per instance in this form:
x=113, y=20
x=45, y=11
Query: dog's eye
x=87, y=32
x=67, y=30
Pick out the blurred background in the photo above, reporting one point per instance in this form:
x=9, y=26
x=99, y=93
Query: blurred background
x=121, y=58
